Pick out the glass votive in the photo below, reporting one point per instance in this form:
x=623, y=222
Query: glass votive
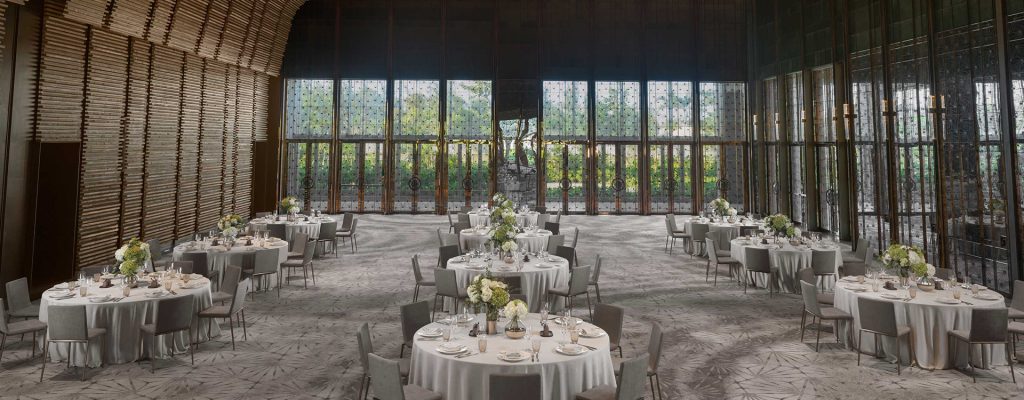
x=482, y=344
x=83, y=290
x=126, y=290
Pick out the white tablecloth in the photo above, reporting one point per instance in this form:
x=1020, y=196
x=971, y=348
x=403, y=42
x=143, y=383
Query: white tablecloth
x=219, y=256
x=477, y=218
x=930, y=322
x=790, y=260
x=535, y=280
x=123, y=320
x=311, y=227
x=562, y=377
x=533, y=242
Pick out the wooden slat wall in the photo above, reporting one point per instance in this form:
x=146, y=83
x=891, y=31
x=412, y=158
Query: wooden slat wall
x=243, y=156
x=188, y=146
x=162, y=142
x=3, y=30
x=211, y=153
x=228, y=161
x=61, y=77
x=133, y=139
x=246, y=33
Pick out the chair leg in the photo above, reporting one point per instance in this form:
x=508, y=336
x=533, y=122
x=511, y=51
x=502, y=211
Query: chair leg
x=191, y=347
x=305, y=276
x=46, y=353
x=1010, y=361
x=970, y=362
x=707, y=271
x=590, y=310
x=245, y=335
x=803, y=324
x=152, y=355
x=312, y=273
x=716, y=275
x=817, y=341
x=597, y=290
x=657, y=379
x=3, y=341
x=860, y=335
x=231, y=324
x=650, y=378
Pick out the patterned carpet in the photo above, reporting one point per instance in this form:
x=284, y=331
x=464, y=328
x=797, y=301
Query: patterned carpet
x=719, y=343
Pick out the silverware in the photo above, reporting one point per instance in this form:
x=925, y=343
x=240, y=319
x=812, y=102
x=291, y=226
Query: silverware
x=967, y=303
x=589, y=347
x=466, y=354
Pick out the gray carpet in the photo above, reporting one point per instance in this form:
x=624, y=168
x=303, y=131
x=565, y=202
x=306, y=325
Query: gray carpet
x=719, y=342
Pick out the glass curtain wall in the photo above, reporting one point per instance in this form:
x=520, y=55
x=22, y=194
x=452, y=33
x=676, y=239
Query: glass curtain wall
x=824, y=114
x=722, y=113
x=772, y=127
x=362, y=114
x=671, y=137
x=564, y=130
x=617, y=149
x=309, y=124
x=468, y=132
x=795, y=117
x=417, y=125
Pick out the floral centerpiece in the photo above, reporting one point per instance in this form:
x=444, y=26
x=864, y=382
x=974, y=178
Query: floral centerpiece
x=503, y=217
x=780, y=225
x=721, y=207
x=489, y=293
x=132, y=256
x=230, y=224
x=290, y=205
x=516, y=310
x=906, y=260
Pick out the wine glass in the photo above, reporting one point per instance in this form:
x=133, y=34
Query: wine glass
x=544, y=313
x=535, y=344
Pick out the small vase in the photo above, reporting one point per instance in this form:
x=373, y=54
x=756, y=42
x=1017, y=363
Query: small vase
x=904, y=280
x=492, y=327
x=509, y=259
x=131, y=280
x=515, y=329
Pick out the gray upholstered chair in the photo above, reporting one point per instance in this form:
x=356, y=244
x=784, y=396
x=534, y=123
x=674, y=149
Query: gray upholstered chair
x=187, y=263
x=386, y=382
x=567, y=253
x=575, y=236
x=552, y=227
x=69, y=324
x=698, y=234
x=451, y=222
x=878, y=317
x=988, y=326
x=860, y=253
x=462, y=218
x=595, y=276
x=226, y=291
x=810, y=295
x=346, y=223
x=328, y=236
x=234, y=312
x=515, y=387
x=445, y=253
x=420, y=281
x=447, y=286
x=291, y=264
x=156, y=254
x=278, y=230
x=459, y=227
x=823, y=262
x=714, y=257
x=578, y=280
x=542, y=219
x=1016, y=310
x=513, y=284
x=757, y=261
x=263, y=214
x=18, y=328
x=854, y=269
x=610, y=318
x=172, y=315
x=630, y=385
x=672, y=232
x=447, y=239
x=19, y=301
x=557, y=217
x=350, y=234
x=554, y=241
x=807, y=275
x=299, y=242
x=365, y=341
x=264, y=264
x=200, y=265
x=414, y=316
x=654, y=354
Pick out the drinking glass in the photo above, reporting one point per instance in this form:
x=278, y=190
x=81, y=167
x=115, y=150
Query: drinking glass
x=544, y=313
x=447, y=333
x=482, y=344
x=535, y=344
x=912, y=291
x=83, y=288
x=956, y=293
x=975, y=288
x=167, y=285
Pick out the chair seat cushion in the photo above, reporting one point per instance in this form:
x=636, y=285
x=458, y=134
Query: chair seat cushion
x=27, y=312
x=413, y=392
x=834, y=313
x=403, y=366
x=291, y=263
x=902, y=330
x=216, y=312
x=32, y=325
x=827, y=298
x=94, y=332
x=149, y=328
x=727, y=260
x=293, y=254
x=221, y=296
x=559, y=291
x=723, y=253
x=1015, y=327
x=427, y=283
x=343, y=234
x=961, y=334
x=603, y=392
x=1014, y=313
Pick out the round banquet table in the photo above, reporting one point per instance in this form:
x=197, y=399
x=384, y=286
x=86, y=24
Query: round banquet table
x=532, y=242
x=478, y=217
x=929, y=320
x=311, y=227
x=562, y=376
x=789, y=259
x=123, y=320
x=219, y=256
x=537, y=276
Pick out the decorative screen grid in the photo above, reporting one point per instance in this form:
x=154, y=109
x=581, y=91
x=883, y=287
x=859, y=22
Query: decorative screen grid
x=670, y=110
x=469, y=110
x=825, y=149
x=417, y=109
x=723, y=121
x=671, y=178
x=309, y=110
x=795, y=114
x=468, y=174
x=616, y=178
x=565, y=110
x=565, y=177
x=618, y=110
x=362, y=108
x=770, y=132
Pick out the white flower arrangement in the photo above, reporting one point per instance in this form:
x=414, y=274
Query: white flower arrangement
x=905, y=260
x=509, y=246
x=516, y=309
x=490, y=293
x=503, y=236
x=132, y=256
x=720, y=206
x=780, y=225
x=731, y=212
x=290, y=204
x=230, y=221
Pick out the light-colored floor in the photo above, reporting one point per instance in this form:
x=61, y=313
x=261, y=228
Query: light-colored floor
x=719, y=342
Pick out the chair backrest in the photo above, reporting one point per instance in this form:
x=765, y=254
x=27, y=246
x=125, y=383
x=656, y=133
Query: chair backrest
x=229, y=282
x=854, y=269
x=712, y=249
x=17, y=294
x=807, y=275
x=156, y=250
x=823, y=261
x=463, y=218
x=299, y=242
x=365, y=346
x=346, y=222
x=416, y=272
x=447, y=284
x=862, y=250
x=514, y=284
x=414, y=316
x=307, y=253
x=757, y=259
x=542, y=219
x=748, y=230
x=465, y=209
x=877, y=315
x=278, y=230
x=3, y=318
x=988, y=324
x=461, y=226
x=654, y=346
x=92, y=270
x=632, y=382
x=575, y=236
x=187, y=265
x=945, y=273
x=447, y=252
x=558, y=217
x=447, y=239
x=263, y=214
x=609, y=318
x=174, y=314
x=518, y=296
x=597, y=269
x=385, y=378
x=239, y=300
x=328, y=230
x=551, y=226
x=1018, y=295
x=810, y=294
x=670, y=224
x=67, y=323
x=554, y=242
x=579, y=280
x=450, y=221
x=698, y=232
x=567, y=253
x=352, y=228
x=515, y=387
x=266, y=261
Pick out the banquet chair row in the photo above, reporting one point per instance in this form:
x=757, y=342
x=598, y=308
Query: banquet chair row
x=672, y=232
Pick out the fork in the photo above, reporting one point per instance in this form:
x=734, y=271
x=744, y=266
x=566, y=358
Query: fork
x=466, y=354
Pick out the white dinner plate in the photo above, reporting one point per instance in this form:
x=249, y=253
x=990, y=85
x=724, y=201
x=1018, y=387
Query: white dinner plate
x=593, y=332
x=848, y=279
x=545, y=266
x=475, y=267
x=856, y=288
x=451, y=348
x=513, y=356
x=102, y=299
x=986, y=296
x=944, y=300
x=891, y=296
x=62, y=285
x=562, y=321
x=62, y=296
x=157, y=294
x=568, y=350
x=431, y=332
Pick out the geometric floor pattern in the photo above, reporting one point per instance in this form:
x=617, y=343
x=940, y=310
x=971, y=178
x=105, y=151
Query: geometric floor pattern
x=719, y=342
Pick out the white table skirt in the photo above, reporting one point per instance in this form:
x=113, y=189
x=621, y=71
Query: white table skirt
x=311, y=227
x=470, y=239
x=535, y=281
x=562, y=377
x=217, y=257
x=477, y=218
x=123, y=321
x=790, y=260
x=930, y=323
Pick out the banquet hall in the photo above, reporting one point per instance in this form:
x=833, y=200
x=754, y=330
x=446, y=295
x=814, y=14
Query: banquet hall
x=511, y=199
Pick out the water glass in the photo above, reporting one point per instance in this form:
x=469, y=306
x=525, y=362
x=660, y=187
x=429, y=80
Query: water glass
x=574, y=334
x=481, y=344
x=447, y=333
x=912, y=292
x=83, y=288
x=956, y=293
x=535, y=344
